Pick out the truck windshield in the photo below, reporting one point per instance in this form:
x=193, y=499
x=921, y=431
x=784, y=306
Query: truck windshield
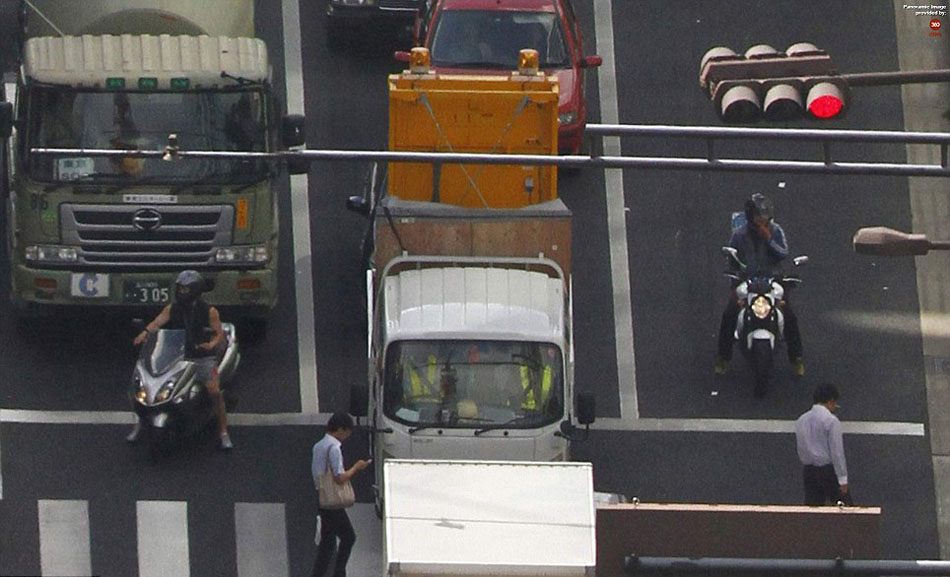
x=219, y=121
x=474, y=384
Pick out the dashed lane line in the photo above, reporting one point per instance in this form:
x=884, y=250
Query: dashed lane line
x=300, y=208
x=616, y=215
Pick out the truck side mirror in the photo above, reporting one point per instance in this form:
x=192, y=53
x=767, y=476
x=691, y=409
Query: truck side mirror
x=359, y=400
x=293, y=130
x=586, y=408
x=6, y=119
x=358, y=204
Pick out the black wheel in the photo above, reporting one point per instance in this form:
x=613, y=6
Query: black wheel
x=762, y=365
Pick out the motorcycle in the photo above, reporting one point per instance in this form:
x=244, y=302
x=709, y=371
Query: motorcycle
x=165, y=393
x=761, y=323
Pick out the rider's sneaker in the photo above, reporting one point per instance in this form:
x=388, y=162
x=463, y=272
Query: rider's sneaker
x=798, y=367
x=226, y=444
x=721, y=366
x=136, y=432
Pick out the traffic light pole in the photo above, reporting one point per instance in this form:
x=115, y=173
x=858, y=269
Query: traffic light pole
x=711, y=162
x=898, y=77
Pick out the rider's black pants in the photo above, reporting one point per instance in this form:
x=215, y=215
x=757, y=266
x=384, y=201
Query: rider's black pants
x=730, y=318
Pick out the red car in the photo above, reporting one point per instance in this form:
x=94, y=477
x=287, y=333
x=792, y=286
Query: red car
x=484, y=37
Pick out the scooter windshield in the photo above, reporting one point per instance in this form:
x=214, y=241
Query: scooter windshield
x=162, y=350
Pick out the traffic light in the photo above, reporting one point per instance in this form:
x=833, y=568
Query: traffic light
x=773, y=84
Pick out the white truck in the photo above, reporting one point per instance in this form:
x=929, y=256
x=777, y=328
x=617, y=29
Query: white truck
x=470, y=339
x=481, y=519
x=116, y=74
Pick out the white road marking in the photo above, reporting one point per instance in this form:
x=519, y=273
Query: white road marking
x=300, y=208
x=605, y=424
x=163, y=538
x=260, y=532
x=753, y=426
x=616, y=215
x=64, y=537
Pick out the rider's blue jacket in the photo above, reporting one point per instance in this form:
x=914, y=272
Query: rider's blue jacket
x=761, y=257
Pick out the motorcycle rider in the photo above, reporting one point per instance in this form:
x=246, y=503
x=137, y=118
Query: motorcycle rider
x=762, y=246
x=191, y=313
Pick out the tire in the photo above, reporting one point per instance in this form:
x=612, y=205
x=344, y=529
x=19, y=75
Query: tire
x=762, y=361
x=378, y=507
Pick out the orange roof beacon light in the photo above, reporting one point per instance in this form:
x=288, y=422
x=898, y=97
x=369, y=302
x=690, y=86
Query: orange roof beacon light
x=419, y=60
x=528, y=62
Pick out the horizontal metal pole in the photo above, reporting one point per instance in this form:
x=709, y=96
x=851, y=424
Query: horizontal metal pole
x=579, y=161
x=634, y=565
x=728, y=132
x=896, y=77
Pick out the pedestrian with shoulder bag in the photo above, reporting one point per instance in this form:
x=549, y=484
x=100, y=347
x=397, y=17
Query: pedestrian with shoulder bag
x=335, y=494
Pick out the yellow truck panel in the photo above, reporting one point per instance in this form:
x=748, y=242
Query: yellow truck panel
x=514, y=114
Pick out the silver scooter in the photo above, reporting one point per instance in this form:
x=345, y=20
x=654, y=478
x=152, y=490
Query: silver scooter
x=165, y=392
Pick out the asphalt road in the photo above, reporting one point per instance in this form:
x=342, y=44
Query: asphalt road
x=858, y=316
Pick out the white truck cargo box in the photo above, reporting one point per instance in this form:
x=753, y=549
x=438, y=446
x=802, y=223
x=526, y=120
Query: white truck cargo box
x=481, y=518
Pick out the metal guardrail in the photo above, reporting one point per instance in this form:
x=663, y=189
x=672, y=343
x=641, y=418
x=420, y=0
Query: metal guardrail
x=715, y=566
x=710, y=162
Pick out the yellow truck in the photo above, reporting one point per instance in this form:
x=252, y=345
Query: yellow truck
x=470, y=340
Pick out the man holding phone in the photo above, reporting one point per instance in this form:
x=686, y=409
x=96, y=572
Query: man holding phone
x=334, y=523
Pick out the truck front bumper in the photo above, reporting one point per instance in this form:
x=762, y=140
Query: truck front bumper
x=253, y=289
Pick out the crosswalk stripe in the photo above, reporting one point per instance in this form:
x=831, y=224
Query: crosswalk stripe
x=260, y=531
x=64, y=537
x=163, y=538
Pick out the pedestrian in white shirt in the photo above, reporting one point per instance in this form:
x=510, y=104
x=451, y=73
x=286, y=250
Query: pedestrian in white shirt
x=821, y=450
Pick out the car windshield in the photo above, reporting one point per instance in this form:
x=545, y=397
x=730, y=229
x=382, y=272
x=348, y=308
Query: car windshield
x=474, y=384
x=215, y=121
x=162, y=350
x=492, y=39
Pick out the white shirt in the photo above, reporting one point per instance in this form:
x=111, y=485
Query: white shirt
x=327, y=451
x=818, y=433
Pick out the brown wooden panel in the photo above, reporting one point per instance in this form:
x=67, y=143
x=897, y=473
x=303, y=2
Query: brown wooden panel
x=733, y=531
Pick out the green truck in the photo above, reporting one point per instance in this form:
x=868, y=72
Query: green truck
x=89, y=231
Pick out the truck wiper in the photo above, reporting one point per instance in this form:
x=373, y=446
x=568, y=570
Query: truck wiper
x=414, y=430
x=497, y=426
x=239, y=79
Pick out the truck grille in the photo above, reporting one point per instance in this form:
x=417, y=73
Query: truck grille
x=142, y=236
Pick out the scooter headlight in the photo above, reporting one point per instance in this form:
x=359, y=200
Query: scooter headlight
x=141, y=395
x=761, y=307
x=165, y=392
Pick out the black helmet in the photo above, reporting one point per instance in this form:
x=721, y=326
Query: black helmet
x=758, y=205
x=188, y=286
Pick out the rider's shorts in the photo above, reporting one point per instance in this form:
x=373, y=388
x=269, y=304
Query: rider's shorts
x=205, y=368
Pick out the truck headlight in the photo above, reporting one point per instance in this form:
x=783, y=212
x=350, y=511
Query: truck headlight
x=242, y=254
x=761, y=307
x=51, y=253
x=566, y=117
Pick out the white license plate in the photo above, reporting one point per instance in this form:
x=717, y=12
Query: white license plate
x=89, y=285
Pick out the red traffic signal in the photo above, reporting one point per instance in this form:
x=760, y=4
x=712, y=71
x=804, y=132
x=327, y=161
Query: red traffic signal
x=776, y=85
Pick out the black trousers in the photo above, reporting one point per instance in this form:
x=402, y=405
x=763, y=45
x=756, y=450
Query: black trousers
x=730, y=319
x=334, y=524
x=821, y=486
